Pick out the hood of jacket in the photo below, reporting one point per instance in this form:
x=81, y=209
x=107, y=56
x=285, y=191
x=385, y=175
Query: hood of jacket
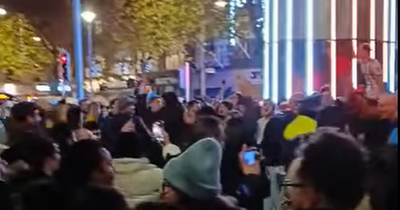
x=137, y=179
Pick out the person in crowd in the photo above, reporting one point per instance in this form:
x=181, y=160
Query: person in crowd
x=329, y=173
x=224, y=108
x=135, y=177
x=86, y=177
x=195, y=186
x=156, y=206
x=172, y=115
x=267, y=111
x=34, y=187
x=5, y=192
x=3, y=134
x=61, y=130
x=274, y=146
x=193, y=106
x=112, y=126
x=370, y=75
x=23, y=121
x=249, y=187
x=251, y=113
x=383, y=178
x=207, y=126
x=104, y=114
x=92, y=119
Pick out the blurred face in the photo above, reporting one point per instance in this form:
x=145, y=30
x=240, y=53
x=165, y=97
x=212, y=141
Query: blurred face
x=193, y=109
x=301, y=195
x=104, y=111
x=189, y=118
x=104, y=174
x=222, y=110
x=241, y=108
x=362, y=53
x=266, y=109
x=168, y=194
x=234, y=99
x=156, y=105
x=128, y=110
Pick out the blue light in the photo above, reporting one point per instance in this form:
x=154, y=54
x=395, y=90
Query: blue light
x=76, y=10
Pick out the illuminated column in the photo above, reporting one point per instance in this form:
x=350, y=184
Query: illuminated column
x=392, y=45
x=295, y=32
x=275, y=51
x=266, y=52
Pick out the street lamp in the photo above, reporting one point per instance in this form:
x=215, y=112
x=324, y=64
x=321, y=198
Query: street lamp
x=3, y=11
x=89, y=17
x=221, y=3
x=36, y=39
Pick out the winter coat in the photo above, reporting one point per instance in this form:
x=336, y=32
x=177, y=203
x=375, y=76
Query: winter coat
x=138, y=180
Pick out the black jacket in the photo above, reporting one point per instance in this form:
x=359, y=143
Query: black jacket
x=275, y=149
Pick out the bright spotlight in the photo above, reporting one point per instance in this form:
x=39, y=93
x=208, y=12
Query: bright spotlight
x=88, y=16
x=221, y=3
x=3, y=12
x=36, y=39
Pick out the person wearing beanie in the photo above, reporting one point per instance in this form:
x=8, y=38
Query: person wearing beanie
x=192, y=180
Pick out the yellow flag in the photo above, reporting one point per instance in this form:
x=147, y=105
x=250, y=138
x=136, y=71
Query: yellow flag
x=301, y=125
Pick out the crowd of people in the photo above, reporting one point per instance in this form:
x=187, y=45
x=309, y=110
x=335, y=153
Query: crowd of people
x=151, y=152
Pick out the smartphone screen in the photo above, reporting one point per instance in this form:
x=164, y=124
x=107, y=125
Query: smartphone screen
x=250, y=157
x=157, y=132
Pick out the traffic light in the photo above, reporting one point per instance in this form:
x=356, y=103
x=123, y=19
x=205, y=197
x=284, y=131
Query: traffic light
x=65, y=68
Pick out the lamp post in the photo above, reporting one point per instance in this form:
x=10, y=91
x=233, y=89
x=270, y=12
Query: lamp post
x=77, y=26
x=89, y=17
x=3, y=11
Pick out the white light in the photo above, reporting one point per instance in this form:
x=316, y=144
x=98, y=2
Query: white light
x=10, y=89
x=36, y=39
x=187, y=81
x=221, y=3
x=354, y=36
x=309, y=48
x=3, y=12
x=275, y=51
x=333, y=49
x=43, y=88
x=88, y=16
x=372, y=26
x=266, y=69
x=289, y=48
x=64, y=88
x=386, y=38
x=392, y=46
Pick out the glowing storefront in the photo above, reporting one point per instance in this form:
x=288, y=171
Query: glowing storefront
x=309, y=43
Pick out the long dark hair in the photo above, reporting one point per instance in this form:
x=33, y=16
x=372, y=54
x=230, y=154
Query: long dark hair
x=81, y=160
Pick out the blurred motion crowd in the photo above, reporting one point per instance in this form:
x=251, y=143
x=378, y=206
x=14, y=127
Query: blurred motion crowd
x=155, y=152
